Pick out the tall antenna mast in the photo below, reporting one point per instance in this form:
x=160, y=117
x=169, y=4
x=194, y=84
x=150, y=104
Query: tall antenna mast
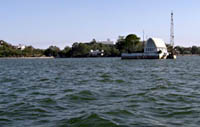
x=172, y=30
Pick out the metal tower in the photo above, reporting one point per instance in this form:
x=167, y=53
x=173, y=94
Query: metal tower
x=172, y=30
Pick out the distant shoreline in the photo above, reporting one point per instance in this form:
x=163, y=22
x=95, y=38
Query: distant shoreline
x=51, y=57
x=188, y=55
x=43, y=57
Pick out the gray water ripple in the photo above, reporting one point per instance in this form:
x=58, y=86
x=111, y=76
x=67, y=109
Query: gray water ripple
x=100, y=92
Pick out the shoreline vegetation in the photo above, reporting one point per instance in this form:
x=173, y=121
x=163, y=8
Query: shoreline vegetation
x=124, y=44
x=43, y=57
x=51, y=57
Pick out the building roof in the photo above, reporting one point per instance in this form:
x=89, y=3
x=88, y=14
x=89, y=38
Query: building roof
x=158, y=42
x=108, y=42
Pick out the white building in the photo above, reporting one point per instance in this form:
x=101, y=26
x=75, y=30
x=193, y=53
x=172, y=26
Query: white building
x=155, y=45
x=1, y=42
x=96, y=52
x=107, y=42
x=20, y=46
x=154, y=48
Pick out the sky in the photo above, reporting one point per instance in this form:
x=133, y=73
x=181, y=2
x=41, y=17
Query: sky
x=42, y=23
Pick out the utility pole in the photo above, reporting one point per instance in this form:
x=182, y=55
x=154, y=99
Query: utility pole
x=143, y=35
x=143, y=41
x=172, y=30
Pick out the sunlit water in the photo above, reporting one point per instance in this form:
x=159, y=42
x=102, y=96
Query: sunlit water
x=100, y=92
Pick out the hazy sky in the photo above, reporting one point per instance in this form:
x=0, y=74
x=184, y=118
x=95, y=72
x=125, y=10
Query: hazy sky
x=42, y=23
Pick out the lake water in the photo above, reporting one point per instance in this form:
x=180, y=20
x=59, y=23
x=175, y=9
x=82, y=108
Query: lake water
x=100, y=92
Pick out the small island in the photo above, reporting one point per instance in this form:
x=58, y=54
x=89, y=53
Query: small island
x=124, y=44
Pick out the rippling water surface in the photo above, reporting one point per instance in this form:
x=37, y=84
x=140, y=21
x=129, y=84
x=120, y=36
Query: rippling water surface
x=100, y=92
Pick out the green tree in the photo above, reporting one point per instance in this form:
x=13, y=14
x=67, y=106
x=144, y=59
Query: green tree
x=80, y=50
x=66, y=52
x=132, y=42
x=52, y=51
x=179, y=50
x=93, y=41
x=195, y=50
x=121, y=44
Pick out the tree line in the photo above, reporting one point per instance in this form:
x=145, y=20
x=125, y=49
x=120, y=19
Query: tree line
x=188, y=50
x=129, y=44
x=8, y=50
